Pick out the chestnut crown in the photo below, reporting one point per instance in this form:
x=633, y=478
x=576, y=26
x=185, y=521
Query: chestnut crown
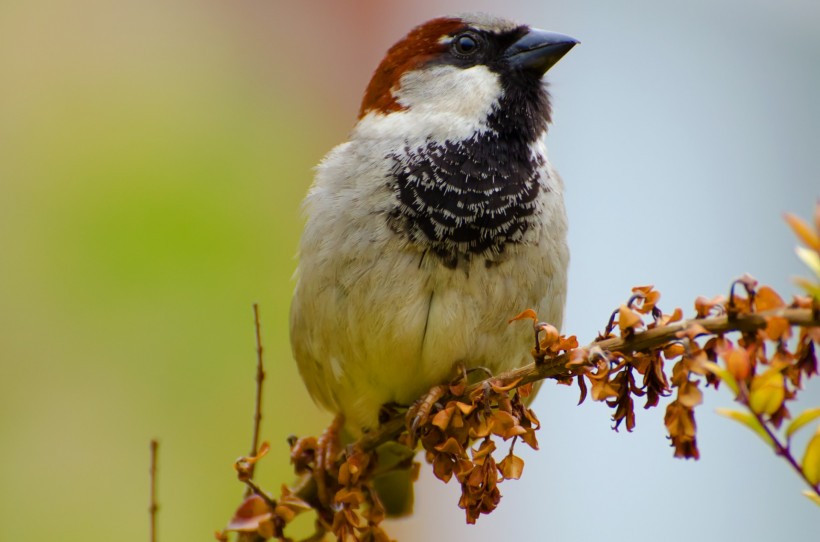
x=516, y=52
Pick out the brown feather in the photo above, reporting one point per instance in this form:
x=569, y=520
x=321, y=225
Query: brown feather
x=419, y=46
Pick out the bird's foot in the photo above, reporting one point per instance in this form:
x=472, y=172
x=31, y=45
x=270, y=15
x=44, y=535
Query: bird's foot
x=388, y=411
x=419, y=411
x=328, y=449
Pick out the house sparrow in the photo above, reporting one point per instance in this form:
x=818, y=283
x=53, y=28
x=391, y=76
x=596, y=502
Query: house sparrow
x=438, y=221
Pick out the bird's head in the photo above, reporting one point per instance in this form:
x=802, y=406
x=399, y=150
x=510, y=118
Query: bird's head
x=461, y=69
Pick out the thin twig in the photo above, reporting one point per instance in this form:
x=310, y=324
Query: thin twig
x=154, y=506
x=647, y=340
x=255, y=489
x=260, y=377
x=780, y=449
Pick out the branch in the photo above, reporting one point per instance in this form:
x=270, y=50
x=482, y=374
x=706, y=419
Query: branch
x=153, y=507
x=260, y=377
x=555, y=367
x=784, y=450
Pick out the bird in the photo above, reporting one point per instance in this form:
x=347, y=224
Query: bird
x=436, y=222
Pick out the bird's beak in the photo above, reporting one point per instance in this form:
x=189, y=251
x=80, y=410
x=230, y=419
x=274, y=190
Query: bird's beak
x=539, y=50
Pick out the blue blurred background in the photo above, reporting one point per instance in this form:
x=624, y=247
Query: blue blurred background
x=153, y=156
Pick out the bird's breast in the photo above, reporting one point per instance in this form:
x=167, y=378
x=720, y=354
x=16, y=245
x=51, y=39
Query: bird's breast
x=466, y=199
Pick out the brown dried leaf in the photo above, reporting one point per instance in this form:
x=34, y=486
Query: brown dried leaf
x=737, y=362
x=289, y=499
x=807, y=359
x=673, y=350
x=498, y=387
x=581, y=386
x=767, y=299
x=465, y=408
x=450, y=446
x=505, y=425
x=511, y=467
x=602, y=387
x=563, y=344
x=485, y=448
x=244, y=465
x=628, y=320
x=645, y=290
x=648, y=298
x=680, y=422
x=530, y=439
x=250, y=515
x=778, y=328
x=502, y=421
x=676, y=316
x=704, y=305
x=528, y=314
x=481, y=428
x=443, y=417
x=352, y=497
x=549, y=335
x=443, y=467
x=689, y=395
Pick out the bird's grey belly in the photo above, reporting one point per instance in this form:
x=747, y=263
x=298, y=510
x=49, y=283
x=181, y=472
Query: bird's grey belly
x=391, y=332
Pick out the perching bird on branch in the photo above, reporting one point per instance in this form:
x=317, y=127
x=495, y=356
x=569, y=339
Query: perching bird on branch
x=439, y=220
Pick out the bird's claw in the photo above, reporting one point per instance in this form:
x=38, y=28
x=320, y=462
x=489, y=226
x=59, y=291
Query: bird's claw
x=419, y=412
x=328, y=449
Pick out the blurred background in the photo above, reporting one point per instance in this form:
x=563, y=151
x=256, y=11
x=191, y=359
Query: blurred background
x=153, y=156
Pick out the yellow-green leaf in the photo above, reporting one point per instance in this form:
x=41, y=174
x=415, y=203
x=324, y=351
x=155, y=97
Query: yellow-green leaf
x=811, y=459
x=803, y=231
x=722, y=374
x=811, y=288
x=767, y=392
x=810, y=258
x=748, y=419
x=391, y=454
x=814, y=497
x=804, y=418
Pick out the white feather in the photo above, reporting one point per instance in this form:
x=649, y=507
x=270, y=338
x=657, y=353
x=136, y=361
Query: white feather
x=373, y=320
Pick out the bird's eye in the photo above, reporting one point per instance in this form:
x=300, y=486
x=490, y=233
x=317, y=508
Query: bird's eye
x=466, y=44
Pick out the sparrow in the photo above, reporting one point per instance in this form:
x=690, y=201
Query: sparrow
x=439, y=220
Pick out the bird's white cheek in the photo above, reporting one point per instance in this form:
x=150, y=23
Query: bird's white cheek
x=470, y=92
x=443, y=103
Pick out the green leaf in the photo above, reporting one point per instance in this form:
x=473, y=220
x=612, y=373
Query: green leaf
x=391, y=455
x=799, y=422
x=748, y=419
x=722, y=374
x=814, y=497
x=811, y=459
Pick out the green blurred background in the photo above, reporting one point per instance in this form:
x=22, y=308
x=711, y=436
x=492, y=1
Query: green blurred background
x=153, y=156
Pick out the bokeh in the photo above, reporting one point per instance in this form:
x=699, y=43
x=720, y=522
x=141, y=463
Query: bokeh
x=153, y=156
